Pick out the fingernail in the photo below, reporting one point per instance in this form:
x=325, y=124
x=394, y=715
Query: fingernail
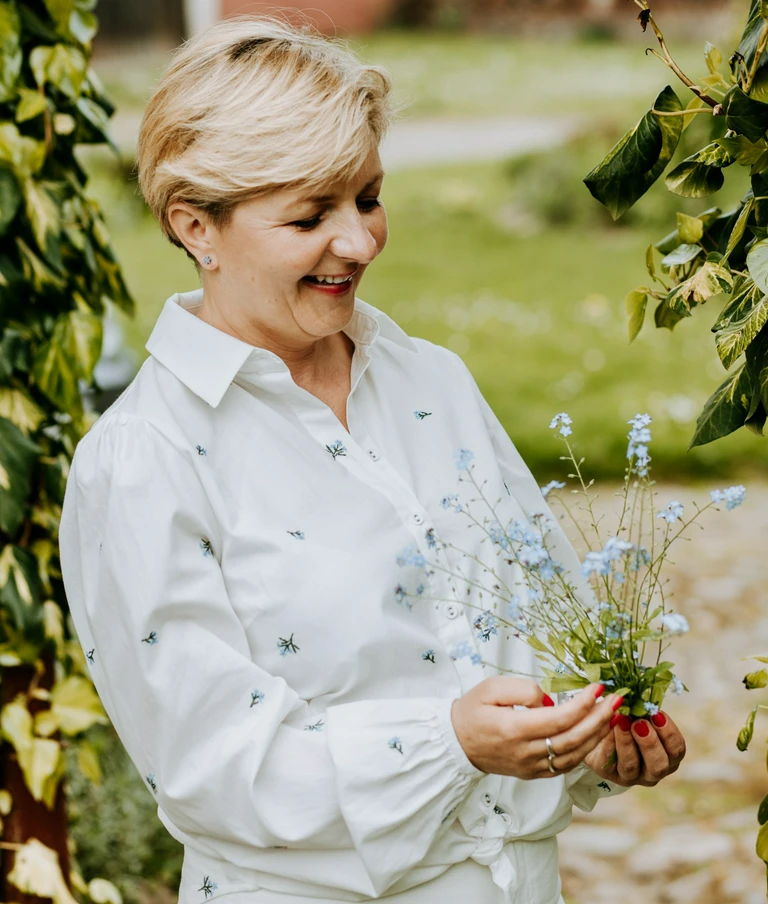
x=599, y=691
x=615, y=720
x=642, y=728
x=547, y=700
x=625, y=723
x=659, y=720
x=617, y=703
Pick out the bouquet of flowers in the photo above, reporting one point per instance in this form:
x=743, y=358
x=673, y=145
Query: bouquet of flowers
x=605, y=621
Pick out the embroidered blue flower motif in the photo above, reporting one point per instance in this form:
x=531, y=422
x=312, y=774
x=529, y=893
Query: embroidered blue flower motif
x=287, y=646
x=428, y=656
x=451, y=501
x=151, y=781
x=151, y=638
x=420, y=415
x=420, y=590
x=89, y=655
x=431, y=538
x=485, y=625
x=401, y=595
x=461, y=649
x=338, y=448
x=201, y=450
x=316, y=726
x=463, y=458
x=206, y=547
x=605, y=786
x=256, y=697
x=208, y=887
x=396, y=744
x=411, y=556
x=298, y=534
x=476, y=659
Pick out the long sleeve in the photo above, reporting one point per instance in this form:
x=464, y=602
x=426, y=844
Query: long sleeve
x=204, y=724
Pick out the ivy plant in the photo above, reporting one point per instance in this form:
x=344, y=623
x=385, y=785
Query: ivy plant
x=720, y=257
x=58, y=274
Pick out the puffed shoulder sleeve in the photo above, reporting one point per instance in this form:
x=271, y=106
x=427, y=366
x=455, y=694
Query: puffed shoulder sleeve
x=204, y=723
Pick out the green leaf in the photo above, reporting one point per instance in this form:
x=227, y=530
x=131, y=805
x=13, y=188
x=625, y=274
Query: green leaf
x=664, y=316
x=683, y=254
x=88, y=762
x=757, y=263
x=733, y=340
x=69, y=355
x=18, y=407
x=10, y=198
x=690, y=229
x=751, y=36
x=639, y=158
x=63, y=66
x=593, y=672
x=742, y=150
x=21, y=592
x=700, y=174
x=761, y=845
x=18, y=456
x=24, y=154
x=746, y=296
x=745, y=115
x=762, y=811
x=60, y=11
x=738, y=227
x=76, y=706
x=755, y=680
x=745, y=735
x=712, y=57
x=10, y=50
x=43, y=213
x=725, y=410
x=83, y=25
x=31, y=104
x=710, y=279
x=635, y=304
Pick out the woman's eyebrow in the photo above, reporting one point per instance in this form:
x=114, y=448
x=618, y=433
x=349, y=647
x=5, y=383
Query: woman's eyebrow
x=321, y=199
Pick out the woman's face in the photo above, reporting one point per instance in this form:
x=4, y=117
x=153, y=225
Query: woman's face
x=272, y=253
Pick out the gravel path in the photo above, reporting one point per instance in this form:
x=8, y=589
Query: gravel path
x=691, y=840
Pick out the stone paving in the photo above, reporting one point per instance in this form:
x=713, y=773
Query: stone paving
x=691, y=839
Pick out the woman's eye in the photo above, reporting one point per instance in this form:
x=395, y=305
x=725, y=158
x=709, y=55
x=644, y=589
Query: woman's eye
x=307, y=224
x=369, y=204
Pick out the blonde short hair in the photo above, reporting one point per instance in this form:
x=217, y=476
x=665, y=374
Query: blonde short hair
x=254, y=104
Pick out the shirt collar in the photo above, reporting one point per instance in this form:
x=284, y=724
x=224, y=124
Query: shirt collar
x=207, y=360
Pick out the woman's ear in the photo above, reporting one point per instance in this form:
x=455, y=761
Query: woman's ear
x=193, y=231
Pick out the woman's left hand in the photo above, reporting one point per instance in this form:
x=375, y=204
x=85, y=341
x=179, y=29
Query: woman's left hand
x=646, y=751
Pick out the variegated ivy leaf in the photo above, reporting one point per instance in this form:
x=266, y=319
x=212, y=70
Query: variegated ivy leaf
x=744, y=323
x=76, y=705
x=70, y=355
x=726, y=409
x=36, y=871
x=19, y=408
x=712, y=278
x=88, y=762
x=100, y=891
x=690, y=229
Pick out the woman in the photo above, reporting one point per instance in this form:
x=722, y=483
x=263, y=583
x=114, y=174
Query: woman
x=233, y=523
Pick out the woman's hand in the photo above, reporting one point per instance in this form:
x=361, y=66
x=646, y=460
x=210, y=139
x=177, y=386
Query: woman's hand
x=505, y=741
x=646, y=751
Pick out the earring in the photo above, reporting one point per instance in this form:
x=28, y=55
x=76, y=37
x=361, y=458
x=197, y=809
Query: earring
x=207, y=259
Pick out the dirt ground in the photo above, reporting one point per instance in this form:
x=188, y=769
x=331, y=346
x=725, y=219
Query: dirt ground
x=691, y=839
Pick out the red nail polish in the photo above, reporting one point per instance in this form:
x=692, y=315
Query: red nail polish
x=659, y=720
x=642, y=728
x=614, y=720
x=599, y=691
x=625, y=723
x=617, y=703
x=547, y=700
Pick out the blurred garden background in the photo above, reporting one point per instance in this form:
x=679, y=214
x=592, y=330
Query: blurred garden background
x=498, y=251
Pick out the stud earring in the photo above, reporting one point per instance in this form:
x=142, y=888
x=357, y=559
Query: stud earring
x=207, y=259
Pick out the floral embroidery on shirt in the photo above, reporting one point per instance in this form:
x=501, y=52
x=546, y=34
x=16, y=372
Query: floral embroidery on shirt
x=316, y=726
x=401, y=595
x=428, y=655
x=208, y=887
x=201, y=450
x=476, y=659
x=463, y=458
x=338, y=448
x=485, y=625
x=411, y=556
x=89, y=655
x=151, y=781
x=451, y=501
x=206, y=547
x=396, y=744
x=256, y=698
x=420, y=415
x=287, y=646
x=151, y=638
x=431, y=538
x=298, y=534
x=605, y=786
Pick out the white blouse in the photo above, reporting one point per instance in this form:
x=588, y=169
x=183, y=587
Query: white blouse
x=284, y=686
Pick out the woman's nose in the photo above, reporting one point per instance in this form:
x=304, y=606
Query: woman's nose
x=354, y=241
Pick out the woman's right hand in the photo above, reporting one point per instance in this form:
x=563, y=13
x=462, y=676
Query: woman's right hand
x=505, y=741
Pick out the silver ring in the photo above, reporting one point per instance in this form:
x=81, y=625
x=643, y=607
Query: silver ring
x=550, y=750
x=552, y=769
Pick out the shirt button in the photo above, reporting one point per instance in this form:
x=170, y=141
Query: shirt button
x=122, y=419
x=417, y=518
x=374, y=454
x=487, y=799
x=451, y=611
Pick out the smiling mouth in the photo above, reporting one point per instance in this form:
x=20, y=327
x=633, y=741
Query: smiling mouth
x=330, y=280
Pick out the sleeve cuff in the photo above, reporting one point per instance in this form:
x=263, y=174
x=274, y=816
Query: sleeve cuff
x=586, y=787
x=451, y=741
